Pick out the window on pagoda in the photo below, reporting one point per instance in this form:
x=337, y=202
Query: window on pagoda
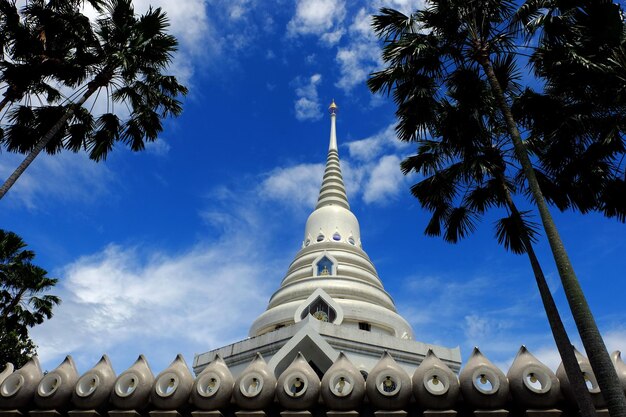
x=324, y=267
x=320, y=310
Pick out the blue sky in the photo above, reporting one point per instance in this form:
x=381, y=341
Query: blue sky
x=178, y=248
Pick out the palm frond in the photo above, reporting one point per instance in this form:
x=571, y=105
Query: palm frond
x=459, y=223
x=507, y=73
x=516, y=232
x=435, y=191
x=613, y=199
x=391, y=24
x=433, y=228
x=483, y=197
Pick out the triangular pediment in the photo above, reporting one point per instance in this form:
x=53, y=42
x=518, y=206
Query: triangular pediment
x=312, y=346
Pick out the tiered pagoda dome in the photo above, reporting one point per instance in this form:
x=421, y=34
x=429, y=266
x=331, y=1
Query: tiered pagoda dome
x=332, y=260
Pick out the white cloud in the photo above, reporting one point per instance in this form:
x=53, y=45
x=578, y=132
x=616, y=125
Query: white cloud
x=361, y=56
x=297, y=185
x=326, y=19
x=549, y=356
x=354, y=174
x=361, y=26
x=373, y=146
x=479, y=327
x=307, y=105
x=317, y=17
x=140, y=299
x=356, y=62
x=385, y=181
x=332, y=38
x=235, y=214
x=65, y=176
x=307, y=109
x=615, y=339
x=405, y=6
x=158, y=147
x=238, y=9
x=365, y=149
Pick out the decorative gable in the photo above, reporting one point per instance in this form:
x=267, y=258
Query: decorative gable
x=321, y=306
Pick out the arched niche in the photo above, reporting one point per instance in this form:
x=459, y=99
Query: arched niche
x=325, y=265
x=319, y=300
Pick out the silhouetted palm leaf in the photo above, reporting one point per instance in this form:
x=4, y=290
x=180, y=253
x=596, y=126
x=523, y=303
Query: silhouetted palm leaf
x=515, y=230
x=460, y=222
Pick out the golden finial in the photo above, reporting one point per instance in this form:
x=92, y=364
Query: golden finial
x=333, y=107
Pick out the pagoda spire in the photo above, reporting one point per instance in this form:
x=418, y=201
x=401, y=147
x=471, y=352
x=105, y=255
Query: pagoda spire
x=332, y=191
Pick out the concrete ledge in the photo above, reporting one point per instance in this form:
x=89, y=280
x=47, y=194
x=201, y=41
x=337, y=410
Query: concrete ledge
x=10, y=413
x=295, y=413
x=164, y=413
x=390, y=413
x=544, y=413
x=44, y=413
x=440, y=413
x=207, y=414
x=244, y=413
x=124, y=413
x=491, y=413
x=83, y=413
x=342, y=413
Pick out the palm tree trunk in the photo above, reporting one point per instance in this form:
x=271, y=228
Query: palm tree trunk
x=41, y=144
x=599, y=359
x=563, y=343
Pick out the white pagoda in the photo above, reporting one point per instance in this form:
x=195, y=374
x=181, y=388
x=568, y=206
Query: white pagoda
x=331, y=300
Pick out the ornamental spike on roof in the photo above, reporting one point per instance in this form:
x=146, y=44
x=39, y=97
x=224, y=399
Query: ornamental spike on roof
x=333, y=191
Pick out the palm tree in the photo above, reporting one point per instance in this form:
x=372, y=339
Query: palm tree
x=128, y=56
x=42, y=43
x=23, y=299
x=577, y=125
x=464, y=169
x=422, y=51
